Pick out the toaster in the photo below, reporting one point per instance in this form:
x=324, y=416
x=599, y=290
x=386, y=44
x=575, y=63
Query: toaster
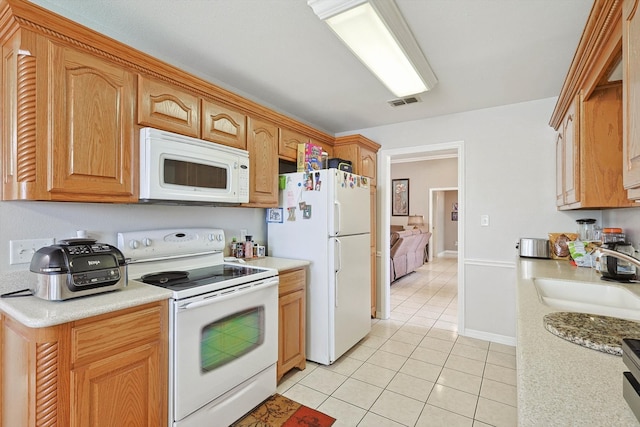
x=533, y=248
x=77, y=267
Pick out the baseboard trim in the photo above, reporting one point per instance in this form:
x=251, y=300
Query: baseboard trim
x=486, y=336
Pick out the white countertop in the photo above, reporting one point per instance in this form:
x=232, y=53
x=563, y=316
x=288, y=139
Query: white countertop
x=561, y=383
x=280, y=264
x=38, y=313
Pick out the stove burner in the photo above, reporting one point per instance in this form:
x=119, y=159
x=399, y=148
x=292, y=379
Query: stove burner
x=182, y=280
x=165, y=277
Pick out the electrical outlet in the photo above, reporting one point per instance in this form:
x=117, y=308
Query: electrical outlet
x=21, y=251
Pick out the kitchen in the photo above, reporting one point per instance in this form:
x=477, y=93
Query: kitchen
x=518, y=205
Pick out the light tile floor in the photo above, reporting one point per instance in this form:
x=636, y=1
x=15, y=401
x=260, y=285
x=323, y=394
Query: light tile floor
x=413, y=369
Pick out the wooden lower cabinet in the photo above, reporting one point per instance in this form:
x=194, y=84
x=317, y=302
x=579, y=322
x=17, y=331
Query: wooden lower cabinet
x=291, y=320
x=108, y=370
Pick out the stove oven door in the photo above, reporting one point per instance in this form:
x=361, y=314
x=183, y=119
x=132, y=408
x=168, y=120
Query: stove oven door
x=221, y=340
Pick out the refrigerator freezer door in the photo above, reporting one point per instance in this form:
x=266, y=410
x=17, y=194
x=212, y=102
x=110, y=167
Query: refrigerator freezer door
x=351, y=211
x=351, y=320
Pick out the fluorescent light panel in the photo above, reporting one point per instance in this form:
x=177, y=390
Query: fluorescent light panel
x=377, y=34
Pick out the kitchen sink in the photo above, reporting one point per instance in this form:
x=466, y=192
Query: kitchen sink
x=586, y=297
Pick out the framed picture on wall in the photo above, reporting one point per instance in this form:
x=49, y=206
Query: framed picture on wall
x=454, y=216
x=400, y=197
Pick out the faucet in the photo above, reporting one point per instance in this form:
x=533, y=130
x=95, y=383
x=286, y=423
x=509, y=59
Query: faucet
x=622, y=256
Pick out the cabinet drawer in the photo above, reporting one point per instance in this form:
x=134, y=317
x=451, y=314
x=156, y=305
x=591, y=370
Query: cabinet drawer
x=291, y=281
x=96, y=339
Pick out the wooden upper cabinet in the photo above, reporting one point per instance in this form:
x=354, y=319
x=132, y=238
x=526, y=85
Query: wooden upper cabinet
x=631, y=96
x=592, y=152
x=69, y=125
x=590, y=113
x=262, y=144
x=288, y=144
x=361, y=151
x=223, y=125
x=167, y=107
x=91, y=108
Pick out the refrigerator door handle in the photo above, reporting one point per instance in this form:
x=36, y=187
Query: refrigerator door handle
x=338, y=264
x=336, y=217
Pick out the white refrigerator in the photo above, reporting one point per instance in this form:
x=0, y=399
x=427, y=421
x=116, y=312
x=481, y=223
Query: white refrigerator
x=324, y=217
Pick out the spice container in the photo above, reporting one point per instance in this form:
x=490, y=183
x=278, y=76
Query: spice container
x=612, y=235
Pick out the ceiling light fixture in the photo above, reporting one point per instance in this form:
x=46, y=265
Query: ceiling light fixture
x=378, y=35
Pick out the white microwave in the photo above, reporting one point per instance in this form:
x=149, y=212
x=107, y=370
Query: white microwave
x=180, y=169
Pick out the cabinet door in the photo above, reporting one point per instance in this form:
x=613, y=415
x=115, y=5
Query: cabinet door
x=368, y=162
x=120, y=368
x=631, y=96
x=291, y=314
x=92, y=111
x=123, y=390
x=223, y=125
x=262, y=144
x=560, y=169
x=168, y=107
x=571, y=157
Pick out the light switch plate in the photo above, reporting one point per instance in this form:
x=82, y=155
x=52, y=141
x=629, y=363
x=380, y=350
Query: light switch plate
x=21, y=251
x=484, y=220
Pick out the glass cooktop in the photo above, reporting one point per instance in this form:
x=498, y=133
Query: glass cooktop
x=180, y=280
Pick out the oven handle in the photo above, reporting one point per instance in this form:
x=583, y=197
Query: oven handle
x=226, y=294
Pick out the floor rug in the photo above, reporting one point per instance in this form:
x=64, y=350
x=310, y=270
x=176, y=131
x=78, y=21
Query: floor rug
x=279, y=411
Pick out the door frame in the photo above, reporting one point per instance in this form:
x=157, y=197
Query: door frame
x=383, y=282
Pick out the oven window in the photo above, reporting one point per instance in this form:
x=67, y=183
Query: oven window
x=193, y=174
x=229, y=338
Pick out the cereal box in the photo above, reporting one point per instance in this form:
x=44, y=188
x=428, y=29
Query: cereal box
x=309, y=157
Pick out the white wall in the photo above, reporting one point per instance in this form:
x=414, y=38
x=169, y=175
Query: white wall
x=627, y=219
x=509, y=175
x=27, y=220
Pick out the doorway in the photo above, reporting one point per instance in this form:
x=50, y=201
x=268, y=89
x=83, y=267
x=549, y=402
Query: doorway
x=383, y=302
x=443, y=217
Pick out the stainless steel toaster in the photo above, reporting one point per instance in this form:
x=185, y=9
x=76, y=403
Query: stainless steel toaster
x=77, y=267
x=533, y=248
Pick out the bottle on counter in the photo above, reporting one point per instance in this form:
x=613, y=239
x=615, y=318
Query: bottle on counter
x=233, y=247
x=248, y=247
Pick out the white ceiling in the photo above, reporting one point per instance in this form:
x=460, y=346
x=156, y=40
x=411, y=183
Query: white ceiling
x=485, y=53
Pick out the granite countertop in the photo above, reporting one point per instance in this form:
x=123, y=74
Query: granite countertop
x=38, y=313
x=560, y=382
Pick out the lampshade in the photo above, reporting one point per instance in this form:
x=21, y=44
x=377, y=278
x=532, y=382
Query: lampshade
x=416, y=220
x=378, y=35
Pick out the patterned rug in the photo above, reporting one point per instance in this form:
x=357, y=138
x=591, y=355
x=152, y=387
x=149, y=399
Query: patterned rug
x=279, y=411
